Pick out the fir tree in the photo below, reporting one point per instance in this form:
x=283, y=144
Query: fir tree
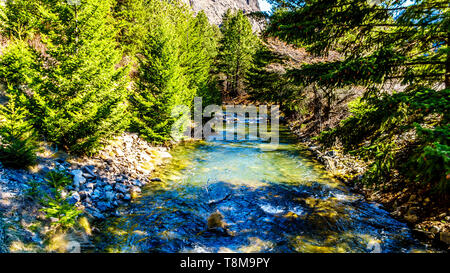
x=16, y=20
x=202, y=49
x=17, y=143
x=162, y=83
x=237, y=47
x=78, y=89
x=380, y=42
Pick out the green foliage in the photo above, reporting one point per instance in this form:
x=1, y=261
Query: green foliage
x=76, y=89
x=175, y=57
x=433, y=158
x=69, y=62
x=267, y=85
x=34, y=189
x=16, y=19
x=382, y=119
x=17, y=144
x=380, y=41
x=58, y=179
x=56, y=206
x=161, y=84
x=18, y=67
x=202, y=49
x=237, y=48
x=65, y=213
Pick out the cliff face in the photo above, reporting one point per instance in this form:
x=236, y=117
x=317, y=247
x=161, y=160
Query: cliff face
x=215, y=9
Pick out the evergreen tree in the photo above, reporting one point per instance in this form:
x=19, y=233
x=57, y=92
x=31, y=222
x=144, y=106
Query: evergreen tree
x=175, y=55
x=77, y=95
x=18, y=69
x=17, y=138
x=380, y=42
x=268, y=85
x=16, y=20
x=236, y=51
x=161, y=84
x=202, y=49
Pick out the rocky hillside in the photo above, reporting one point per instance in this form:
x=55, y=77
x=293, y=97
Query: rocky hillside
x=215, y=9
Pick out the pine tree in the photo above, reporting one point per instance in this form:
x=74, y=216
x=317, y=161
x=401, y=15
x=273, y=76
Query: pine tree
x=18, y=69
x=268, y=85
x=78, y=90
x=175, y=54
x=237, y=47
x=17, y=138
x=380, y=42
x=162, y=83
x=16, y=20
x=389, y=40
x=202, y=49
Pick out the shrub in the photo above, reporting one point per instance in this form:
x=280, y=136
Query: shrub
x=56, y=206
x=60, y=209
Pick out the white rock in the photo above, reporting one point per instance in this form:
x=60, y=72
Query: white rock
x=110, y=195
x=78, y=178
x=75, y=198
x=165, y=155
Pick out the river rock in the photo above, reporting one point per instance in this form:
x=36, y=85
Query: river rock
x=435, y=229
x=103, y=206
x=121, y=188
x=90, y=186
x=74, y=198
x=84, y=194
x=109, y=195
x=97, y=214
x=412, y=218
x=78, y=178
x=136, y=189
x=96, y=194
x=165, y=155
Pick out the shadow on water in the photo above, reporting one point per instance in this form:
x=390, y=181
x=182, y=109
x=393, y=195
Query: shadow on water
x=273, y=201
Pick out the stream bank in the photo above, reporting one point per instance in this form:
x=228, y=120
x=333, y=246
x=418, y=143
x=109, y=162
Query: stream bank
x=429, y=219
x=99, y=185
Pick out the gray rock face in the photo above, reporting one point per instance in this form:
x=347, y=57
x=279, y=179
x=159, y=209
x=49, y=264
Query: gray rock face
x=215, y=9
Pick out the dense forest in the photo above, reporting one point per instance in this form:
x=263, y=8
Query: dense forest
x=374, y=85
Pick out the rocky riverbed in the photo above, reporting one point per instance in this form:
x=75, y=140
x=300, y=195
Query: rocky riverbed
x=100, y=184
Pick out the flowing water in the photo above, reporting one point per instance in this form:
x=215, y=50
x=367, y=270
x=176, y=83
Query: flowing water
x=273, y=201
